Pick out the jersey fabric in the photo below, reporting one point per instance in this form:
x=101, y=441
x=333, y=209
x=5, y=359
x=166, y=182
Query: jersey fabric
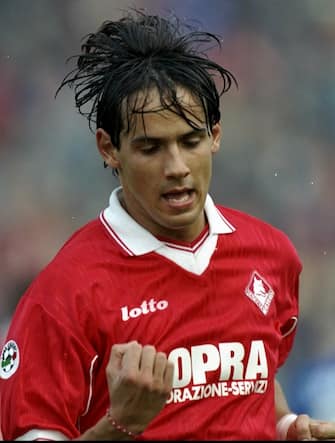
x=223, y=308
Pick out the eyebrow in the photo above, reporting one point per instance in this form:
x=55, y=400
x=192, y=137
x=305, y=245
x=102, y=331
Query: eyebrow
x=148, y=138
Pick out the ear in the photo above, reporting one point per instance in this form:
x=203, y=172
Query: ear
x=216, y=134
x=106, y=148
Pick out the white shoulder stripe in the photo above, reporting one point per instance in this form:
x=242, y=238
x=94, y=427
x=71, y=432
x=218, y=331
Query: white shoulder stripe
x=42, y=434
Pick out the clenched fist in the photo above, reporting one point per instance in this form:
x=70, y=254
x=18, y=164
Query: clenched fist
x=139, y=382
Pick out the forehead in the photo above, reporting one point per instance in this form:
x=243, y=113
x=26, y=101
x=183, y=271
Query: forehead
x=149, y=112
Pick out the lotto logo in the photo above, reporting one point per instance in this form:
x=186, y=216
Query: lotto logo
x=145, y=308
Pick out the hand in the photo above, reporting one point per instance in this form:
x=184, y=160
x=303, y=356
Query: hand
x=139, y=382
x=307, y=428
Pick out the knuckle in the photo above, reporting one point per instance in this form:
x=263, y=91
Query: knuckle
x=162, y=390
x=166, y=391
x=147, y=384
x=149, y=348
x=161, y=356
x=130, y=378
x=134, y=345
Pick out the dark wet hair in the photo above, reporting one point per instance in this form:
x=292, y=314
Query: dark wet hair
x=137, y=53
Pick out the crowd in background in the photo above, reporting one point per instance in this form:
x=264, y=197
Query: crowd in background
x=277, y=159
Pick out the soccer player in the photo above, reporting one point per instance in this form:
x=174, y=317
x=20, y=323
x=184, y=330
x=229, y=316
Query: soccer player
x=168, y=316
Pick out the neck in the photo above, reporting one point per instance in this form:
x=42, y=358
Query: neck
x=181, y=234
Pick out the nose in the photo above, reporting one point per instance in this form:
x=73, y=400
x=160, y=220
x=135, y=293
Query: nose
x=174, y=163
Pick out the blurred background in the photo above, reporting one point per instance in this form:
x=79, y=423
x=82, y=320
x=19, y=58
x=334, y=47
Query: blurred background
x=277, y=159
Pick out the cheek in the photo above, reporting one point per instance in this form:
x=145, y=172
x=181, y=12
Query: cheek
x=137, y=176
x=202, y=166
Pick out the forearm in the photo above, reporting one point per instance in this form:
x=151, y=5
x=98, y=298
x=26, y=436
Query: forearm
x=284, y=416
x=282, y=407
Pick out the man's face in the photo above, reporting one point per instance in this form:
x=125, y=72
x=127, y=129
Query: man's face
x=165, y=168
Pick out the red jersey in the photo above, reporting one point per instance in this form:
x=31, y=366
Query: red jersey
x=223, y=308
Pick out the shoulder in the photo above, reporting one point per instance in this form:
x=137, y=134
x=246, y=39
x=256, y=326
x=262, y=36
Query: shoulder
x=74, y=267
x=86, y=245
x=254, y=231
x=247, y=223
x=62, y=289
x=87, y=236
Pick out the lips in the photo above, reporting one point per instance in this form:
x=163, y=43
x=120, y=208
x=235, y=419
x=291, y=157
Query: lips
x=179, y=198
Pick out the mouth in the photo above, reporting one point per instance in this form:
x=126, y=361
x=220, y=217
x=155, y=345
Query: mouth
x=179, y=198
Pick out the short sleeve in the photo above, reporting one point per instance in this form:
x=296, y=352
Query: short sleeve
x=48, y=385
x=288, y=305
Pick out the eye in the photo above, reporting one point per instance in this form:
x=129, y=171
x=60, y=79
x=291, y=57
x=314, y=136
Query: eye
x=191, y=142
x=149, y=149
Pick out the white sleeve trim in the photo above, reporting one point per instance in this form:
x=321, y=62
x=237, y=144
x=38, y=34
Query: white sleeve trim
x=46, y=434
x=283, y=424
x=294, y=324
x=42, y=434
x=90, y=387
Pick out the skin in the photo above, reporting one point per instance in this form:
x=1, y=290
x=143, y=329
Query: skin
x=304, y=427
x=165, y=168
x=139, y=381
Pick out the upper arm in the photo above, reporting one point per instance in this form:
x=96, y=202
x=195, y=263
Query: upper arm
x=49, y=388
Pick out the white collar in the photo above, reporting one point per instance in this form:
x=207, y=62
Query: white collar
x=136, y=240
